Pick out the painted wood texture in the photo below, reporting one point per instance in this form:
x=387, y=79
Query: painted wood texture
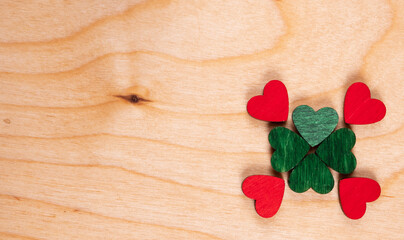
x=127, y=119
x=314, y=126
x=267, y=191
x=289, y=149
x=336, y=151
x=360, y=108
x=311, y=173
x=354, y=193
x=273, y=105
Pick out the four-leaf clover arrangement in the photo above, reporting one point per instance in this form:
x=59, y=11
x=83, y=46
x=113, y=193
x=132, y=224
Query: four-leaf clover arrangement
x=332, y=149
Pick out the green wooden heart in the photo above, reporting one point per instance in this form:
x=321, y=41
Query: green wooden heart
x=335, y=151
x=311, y=173
x=314, y=126
x=289, y=147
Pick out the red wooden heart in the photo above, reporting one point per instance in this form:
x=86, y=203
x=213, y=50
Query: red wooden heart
x=359, y=108
x=267, y=192
x=354, y=193
x=273, y=106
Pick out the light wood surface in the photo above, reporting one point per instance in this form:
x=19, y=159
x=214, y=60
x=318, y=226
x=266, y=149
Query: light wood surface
x=80, y=160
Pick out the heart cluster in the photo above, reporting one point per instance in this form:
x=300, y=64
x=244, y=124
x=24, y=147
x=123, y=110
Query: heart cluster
x=333, y=149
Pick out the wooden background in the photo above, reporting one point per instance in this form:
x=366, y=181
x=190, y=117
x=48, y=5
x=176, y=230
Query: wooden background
x=127, y=120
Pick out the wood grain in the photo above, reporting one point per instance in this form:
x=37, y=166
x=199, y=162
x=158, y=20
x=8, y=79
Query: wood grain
x=314, y=126
x=81, y=159
x=311, y=173
x=288, y=149
x=336, y=151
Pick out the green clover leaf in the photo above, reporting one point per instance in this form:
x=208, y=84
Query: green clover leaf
x=314, y=126
x=289, y=147
x=335, y=151
x=311, y=173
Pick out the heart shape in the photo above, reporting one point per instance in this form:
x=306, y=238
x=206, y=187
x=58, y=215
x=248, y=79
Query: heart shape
x=354, y=193
x=359, y=108
x=314, y=126
x=289, y=147
x=335, y=151
x=311, y=173
x=267, y=191
x=273, y=106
